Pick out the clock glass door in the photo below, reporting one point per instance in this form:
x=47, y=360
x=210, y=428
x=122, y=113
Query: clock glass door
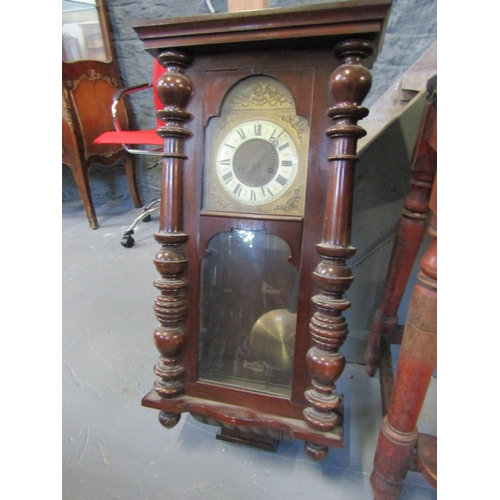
x=248, y=312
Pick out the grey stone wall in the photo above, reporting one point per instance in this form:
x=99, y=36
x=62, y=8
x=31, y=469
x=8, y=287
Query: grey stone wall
x=411, y=30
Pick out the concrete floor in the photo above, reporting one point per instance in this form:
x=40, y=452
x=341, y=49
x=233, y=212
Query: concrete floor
x=114, y=448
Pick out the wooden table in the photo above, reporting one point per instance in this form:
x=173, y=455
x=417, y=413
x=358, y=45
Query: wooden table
x=400, y=446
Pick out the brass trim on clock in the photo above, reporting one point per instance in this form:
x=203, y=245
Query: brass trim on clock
x=256, y=161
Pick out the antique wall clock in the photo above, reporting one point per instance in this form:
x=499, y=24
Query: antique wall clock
x=260, y=133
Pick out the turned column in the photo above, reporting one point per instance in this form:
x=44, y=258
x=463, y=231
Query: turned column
x=175, y=90
x=417, y=360
x=349, y=84
x=409, y=236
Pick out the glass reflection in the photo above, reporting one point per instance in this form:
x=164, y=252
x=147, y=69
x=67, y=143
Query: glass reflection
x=248, y=312
x=83, y=32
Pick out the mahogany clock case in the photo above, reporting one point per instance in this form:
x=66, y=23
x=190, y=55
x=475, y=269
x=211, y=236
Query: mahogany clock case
x=212, y=83
x=293, y=47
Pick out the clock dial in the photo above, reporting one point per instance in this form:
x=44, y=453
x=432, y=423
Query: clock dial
x=257, y=162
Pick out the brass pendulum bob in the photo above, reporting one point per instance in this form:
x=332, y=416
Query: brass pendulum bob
x=272, y=337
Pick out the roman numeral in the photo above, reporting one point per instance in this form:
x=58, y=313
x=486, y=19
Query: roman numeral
x=257, y=128
x=281, y=180
x=287, y=163
x=275, y=138
x=237, y=190
x=281, y=148
x=227, y=161
x=228, y=145
x=227, y=177
x=241, y=133
x=252, y=196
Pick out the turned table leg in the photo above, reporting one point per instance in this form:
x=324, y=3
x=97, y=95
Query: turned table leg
x=81, y=175
x=398, y=434
x=409, y=236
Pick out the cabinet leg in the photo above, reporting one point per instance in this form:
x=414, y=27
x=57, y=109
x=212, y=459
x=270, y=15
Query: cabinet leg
x=81, y=175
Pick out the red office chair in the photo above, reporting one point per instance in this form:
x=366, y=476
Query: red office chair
x=131, y=139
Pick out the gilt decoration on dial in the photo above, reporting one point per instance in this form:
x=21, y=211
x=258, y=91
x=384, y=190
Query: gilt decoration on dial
x=256, y=152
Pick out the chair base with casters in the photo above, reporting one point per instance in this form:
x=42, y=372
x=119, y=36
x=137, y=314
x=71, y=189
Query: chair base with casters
x=127, y=240
x=144, y=137
x=132, y=140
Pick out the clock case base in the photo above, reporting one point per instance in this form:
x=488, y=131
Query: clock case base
x=247, y=438
x=242, y=425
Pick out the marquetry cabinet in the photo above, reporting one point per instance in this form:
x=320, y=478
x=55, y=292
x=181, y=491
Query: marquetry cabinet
x=90, y=78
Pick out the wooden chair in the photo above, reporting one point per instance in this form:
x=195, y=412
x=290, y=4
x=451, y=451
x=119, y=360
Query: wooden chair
x=87, y=93
x=400, y=446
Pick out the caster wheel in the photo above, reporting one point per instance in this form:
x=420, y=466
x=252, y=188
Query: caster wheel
x=147, y=218
x=127, y=242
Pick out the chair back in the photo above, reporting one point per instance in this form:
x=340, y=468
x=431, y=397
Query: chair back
x=158, y=71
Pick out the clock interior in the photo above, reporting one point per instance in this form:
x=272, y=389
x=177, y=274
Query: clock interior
x=248, y=312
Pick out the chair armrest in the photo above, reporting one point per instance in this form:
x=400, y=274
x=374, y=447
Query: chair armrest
x=118, y=96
